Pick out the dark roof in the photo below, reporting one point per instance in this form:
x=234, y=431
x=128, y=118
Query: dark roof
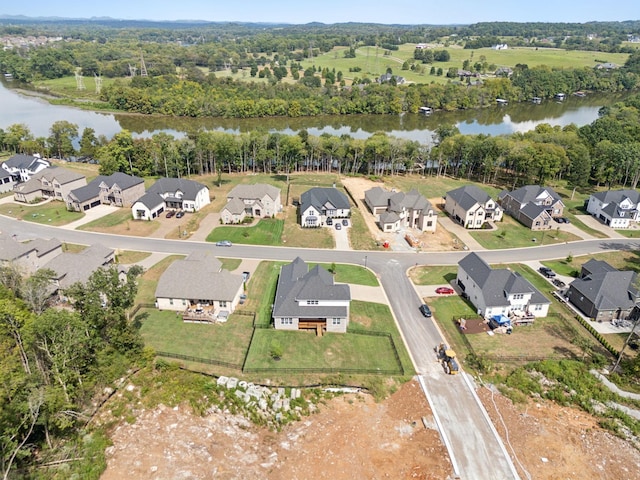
x=92, y=189
x=256, y=191
x=189, y=188
x=298, y=283
x=24, y=162
x=594, y=266
x=11, y=249
x=318, y=197
x=617, y=196
x=608, y=290
x=151, y=200
x=468, y=196
x=78, y=267
x=529, y=193
x=496, y=284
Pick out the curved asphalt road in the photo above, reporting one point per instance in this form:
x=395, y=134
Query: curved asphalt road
x=475, y=448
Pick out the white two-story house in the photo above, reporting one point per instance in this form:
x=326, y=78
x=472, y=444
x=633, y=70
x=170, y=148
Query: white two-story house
x=615, y=208
x=471, y=207
x=318, y=204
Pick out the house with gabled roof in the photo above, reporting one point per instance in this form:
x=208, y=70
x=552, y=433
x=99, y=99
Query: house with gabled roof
x=498, y=291
x=200, y=288
x=6, y=181
x=615, y=208
x=532, y=205
x=70, y=268
x=603, y=292
x=29, y=256
x=318, y=204
x=51, y=182
x=310, y=300
x=117, y=189
x=395, y=211
x=259, y=201
x=22, y=167
x=181, y=193
x=471, y=207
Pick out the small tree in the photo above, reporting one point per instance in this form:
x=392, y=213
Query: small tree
x=276, y=350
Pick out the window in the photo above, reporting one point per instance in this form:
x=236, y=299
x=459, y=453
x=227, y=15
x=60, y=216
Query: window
x=223, y=303
x=538, y=307
x=171, y=301
x=312, y=302
x=286, y=321
x=335, y=321
x=518, y=296
x=429, y=223
x=184, y=302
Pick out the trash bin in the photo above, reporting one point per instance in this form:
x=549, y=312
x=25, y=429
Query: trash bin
x=385, y=244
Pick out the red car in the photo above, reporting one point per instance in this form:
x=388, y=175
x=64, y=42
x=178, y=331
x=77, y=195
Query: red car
x=445, y=290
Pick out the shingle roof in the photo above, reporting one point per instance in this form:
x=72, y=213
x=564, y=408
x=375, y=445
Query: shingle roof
x=199, y=276
x=377, y=196
x=11, y=249
x=257, y=191
x=297, y=283
x=496, y=284
x=608, y=290
x=469, y=195
x=92, y=189
x=617, y=196
x=24, y=162
x=529, y=193
x=59, y=174
x=78, y=267
x=151, y=200
x=318, y=197
x=189, y=188
x=597, y=266
x=235, y=206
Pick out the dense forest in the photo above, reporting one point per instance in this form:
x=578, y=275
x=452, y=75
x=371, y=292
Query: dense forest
x=606, y=152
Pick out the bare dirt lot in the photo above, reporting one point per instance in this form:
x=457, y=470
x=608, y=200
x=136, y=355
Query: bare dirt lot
x=439, y=240
x=352, y=437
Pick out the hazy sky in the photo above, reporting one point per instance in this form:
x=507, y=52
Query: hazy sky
x=335, y=11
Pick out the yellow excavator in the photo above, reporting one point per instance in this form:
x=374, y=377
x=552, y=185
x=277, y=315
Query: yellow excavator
x=448, y=359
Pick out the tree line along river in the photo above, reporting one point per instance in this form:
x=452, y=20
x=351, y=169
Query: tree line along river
x=38, y=115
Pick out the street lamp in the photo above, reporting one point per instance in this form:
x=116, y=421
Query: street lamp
x=365, y=261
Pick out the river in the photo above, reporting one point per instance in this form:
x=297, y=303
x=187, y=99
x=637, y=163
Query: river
x=39, y=115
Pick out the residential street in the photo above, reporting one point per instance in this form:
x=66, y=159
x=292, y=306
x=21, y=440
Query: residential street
x=475, y=448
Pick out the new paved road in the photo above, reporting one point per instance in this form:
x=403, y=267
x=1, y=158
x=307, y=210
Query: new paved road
x=475, y=448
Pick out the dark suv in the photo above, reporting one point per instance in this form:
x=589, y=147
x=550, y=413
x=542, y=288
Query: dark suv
x=547, y=272
x=425, y=310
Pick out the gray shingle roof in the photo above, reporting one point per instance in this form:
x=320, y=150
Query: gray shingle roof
x=151, y=200
x=92, y=189
x=377, y=197
x=198, y=277
x=529, y=193
x=617, y=196
x=11, y=249
x=608, y=290
x=257, y=191
x=189, y=188
x=78, y=267
x=319, y=197
x=298, y=283
x=59, y=174
x=235, y=206
x=468, y=196
x=24, y=162
x=594, y=266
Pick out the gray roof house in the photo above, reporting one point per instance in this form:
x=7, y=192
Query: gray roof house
x=200, y=288
x=148, y=207
x=532, y=205
x=310, y=300
x=22, y=167
x=318, y=204
x=51, y=182
x=499, y=291
x=398, y=210
x=181, y=193
x=471, y=207
x=604, y=293
x=260, y=201
x=118, y=189
x=78, y=267
x=29, y=256
x=615, y=208
x=6, y=181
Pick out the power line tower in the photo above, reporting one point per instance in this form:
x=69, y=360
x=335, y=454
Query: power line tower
x=143, y=67
x=132, y=70
x=98, y=83
x=79, y=80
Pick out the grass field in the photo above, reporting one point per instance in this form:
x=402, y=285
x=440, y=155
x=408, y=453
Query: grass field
x=120, y=222
x=622, y=260
x=432, y=275
x=128, y=256
x=49, y=213
x=267, y=231
x=351, y=274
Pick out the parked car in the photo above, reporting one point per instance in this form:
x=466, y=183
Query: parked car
x=170, y=213
x=425, y=310
x=445, y=290
x=329, y=221
x=180, y=214
x=547, y=272
x=223, y=243
x=345, y=222
x=566, y=220
x=338, y=226
x=558, y=219
x=558, y=283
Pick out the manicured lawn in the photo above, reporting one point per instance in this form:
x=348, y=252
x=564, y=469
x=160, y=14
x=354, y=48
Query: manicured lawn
x=293, y=235
x=351, y=274
x=622, y=260
x=227, y=342
x=148, y=282
x=267, y=231
x=50, y=213
x=120, y=222
x=128, y=256
x=432, y=275
x=511, y=234
x=230, y=263
x=629, y=233
x=360, y=236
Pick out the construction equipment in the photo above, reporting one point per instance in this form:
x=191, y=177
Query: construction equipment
x=448, y=359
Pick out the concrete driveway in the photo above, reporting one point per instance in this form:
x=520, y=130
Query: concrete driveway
x=596, y=224
x=91, y=215
x=341, y=236
x=460, y=232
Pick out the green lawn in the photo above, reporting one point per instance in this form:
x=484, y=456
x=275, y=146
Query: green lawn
x=230, y=263
x=148, y=282
x=512, y=234
x=622, y=260
x=228, y=342
x=432, y=275
x=128, y=256
x=351, y=274
x=267, y=231
x=50, y=213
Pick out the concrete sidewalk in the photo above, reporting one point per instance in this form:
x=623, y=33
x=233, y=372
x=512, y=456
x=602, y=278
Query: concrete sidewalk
x=91, y=215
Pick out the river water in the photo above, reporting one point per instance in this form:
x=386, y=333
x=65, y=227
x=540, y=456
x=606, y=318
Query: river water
x=39, y=115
